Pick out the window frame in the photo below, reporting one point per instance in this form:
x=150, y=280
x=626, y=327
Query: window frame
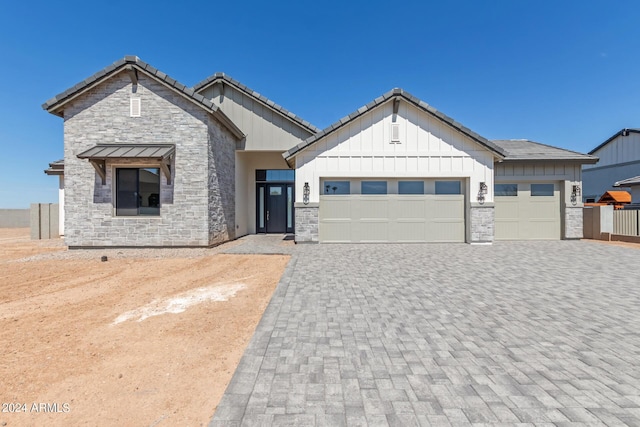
x=540, y=184
x=435, y=187
x=386, y=187
x=495, y=191
x=116, y=197
x=324, y=186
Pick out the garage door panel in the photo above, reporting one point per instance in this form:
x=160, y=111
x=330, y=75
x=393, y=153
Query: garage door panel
x=371, y=231
x=527, y=217
x=371, y=208
x=507, y=208
x=335, y=231
x=408, y=208
x=336, y=207
x=409, y=230
x=393, y=218
x=446, y=231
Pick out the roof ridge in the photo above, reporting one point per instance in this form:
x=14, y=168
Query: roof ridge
x=385, y=97
x=615, y=135
x=132, y=60
x=212, y=79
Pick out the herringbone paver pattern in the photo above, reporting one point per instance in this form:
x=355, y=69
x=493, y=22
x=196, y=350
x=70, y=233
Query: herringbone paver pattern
x=531, y=333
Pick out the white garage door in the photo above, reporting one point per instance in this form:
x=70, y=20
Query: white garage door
x=527, y=211
x=369, y=218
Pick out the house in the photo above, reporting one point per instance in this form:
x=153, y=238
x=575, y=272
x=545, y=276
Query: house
x=619, y=159
x=617, y=199
x=151, y=162
x=634, y=184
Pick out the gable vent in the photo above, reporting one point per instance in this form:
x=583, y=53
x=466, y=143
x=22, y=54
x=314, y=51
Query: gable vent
x=395, y=132
x=135, y=107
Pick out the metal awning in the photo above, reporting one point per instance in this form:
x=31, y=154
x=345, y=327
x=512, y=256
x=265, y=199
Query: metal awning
x=98, y=155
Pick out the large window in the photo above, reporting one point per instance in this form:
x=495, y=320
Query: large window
x=410, y=187
x=542, y=189
x=373, y=187
x=510, y=190
x=448, y=187
x=336, y=187
x=137, y=191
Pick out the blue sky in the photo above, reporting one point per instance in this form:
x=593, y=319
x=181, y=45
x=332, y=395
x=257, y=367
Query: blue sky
x=563, y=73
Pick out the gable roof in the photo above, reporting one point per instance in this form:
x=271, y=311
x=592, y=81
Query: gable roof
x=55, y=168
x=629, y=182
x=133, y=63
x=223, y=78
x=396, y=93
x=622, y=132
x=615, y=197
x=525, y=150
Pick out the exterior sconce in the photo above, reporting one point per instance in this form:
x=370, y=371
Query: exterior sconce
x=481, y=192
x=575, y=193
x=305, y=193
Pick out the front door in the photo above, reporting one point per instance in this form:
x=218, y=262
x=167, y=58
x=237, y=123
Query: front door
x=274, y=208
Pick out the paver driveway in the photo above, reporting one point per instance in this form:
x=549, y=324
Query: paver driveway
x=526, y=332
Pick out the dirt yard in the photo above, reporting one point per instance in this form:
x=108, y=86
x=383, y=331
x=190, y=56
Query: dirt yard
x=148, y=338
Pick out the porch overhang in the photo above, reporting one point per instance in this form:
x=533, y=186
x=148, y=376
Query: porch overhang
x=160, y=153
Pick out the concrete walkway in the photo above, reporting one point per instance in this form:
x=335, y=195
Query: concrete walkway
x=544, y=333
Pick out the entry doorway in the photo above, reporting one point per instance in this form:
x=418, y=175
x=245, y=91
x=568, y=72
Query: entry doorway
x=274, y=203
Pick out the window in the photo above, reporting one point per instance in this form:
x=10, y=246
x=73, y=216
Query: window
x=505, y=189
x=336, y=187
x=541, y=190
x=373, y=187
x=410, y=187
x=137, y=192
x=275, y=175
x=448, y=187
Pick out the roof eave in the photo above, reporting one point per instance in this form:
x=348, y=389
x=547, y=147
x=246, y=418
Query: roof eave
x=224, y=79
x=590, y=161
x=617, y=134
x=394, y=94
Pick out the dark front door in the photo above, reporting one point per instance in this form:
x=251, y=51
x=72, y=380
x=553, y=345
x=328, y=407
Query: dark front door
x=276, y=208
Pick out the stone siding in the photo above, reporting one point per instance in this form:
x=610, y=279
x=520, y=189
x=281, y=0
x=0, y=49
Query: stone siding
x=101, y=116
x=573, y=222
x=482, y=224
x=306, y=223
x=222, y=184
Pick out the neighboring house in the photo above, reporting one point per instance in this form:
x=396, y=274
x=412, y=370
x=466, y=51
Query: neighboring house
x=619, y=159
x=150, y=162
x=634, y=185
x=617, y=199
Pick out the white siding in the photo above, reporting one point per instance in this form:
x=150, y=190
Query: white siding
x=266, y=129
x=622, y=149
x=363, y=148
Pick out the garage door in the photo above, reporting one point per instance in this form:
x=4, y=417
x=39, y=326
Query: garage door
x=392, y=218
x=527, y=211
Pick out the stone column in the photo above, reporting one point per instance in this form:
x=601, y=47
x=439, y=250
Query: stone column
x=482, y=223
x=572, y=222
x=306, y=222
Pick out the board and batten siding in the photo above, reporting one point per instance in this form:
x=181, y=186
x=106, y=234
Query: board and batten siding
x=622, y=149
x=362, y=148
x=265, y=129
x=568, y=174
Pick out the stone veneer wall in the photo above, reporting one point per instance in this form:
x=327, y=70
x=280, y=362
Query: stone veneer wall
x=101, y=116
x=572, y=222
x=306, y=217
x=482, y=223
x=222, y=184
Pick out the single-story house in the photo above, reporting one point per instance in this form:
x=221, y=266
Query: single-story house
x=151, y=162
x=634, y=184
x=619, y=159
